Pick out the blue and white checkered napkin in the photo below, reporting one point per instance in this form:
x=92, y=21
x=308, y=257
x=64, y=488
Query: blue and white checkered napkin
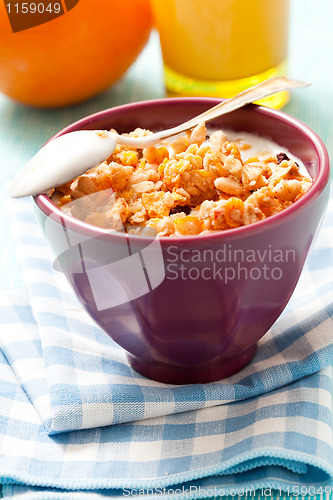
x=269, y=425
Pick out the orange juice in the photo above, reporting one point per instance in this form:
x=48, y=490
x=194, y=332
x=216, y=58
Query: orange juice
x=220, y=47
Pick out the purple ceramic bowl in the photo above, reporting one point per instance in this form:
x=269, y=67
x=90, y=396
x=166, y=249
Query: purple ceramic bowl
x=192, y=309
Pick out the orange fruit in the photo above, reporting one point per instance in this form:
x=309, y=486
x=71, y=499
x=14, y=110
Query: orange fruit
x=73, y=56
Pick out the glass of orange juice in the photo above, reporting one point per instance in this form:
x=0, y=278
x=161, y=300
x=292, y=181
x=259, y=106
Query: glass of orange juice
x=221, y=47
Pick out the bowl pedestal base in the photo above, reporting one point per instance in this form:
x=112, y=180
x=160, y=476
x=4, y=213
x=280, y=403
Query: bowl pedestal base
x=170, y=374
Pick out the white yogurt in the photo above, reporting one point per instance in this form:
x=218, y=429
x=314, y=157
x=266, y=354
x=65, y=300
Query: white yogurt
x=261, y=145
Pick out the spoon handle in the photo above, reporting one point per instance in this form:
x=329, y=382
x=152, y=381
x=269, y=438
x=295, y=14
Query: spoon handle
x=255, y=93
x=259, y=91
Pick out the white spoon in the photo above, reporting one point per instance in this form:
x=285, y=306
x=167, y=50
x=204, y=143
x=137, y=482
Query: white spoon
x=72, y=154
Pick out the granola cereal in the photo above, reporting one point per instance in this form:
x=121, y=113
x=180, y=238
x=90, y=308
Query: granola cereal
x=194, y=184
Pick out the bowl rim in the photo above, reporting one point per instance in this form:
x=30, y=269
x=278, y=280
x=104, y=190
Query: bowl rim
x=44, y=203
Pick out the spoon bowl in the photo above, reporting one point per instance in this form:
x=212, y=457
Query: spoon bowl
x=73, y=154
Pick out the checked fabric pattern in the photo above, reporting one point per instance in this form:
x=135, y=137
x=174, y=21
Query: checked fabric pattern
x=74, y=417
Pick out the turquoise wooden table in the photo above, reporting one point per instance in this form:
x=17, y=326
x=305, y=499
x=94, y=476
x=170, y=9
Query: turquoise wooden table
x=23, y=130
